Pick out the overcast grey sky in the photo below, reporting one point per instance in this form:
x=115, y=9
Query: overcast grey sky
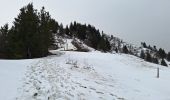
x=132, y=20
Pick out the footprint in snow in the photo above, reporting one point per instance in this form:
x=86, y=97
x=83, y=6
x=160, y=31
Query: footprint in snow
x=92, y=88
x=98, y=92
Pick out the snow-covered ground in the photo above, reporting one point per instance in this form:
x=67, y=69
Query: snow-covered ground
x=83, y=76
x=11, y=74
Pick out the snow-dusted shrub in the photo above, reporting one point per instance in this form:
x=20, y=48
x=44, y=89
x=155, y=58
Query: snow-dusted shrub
x=75, y=64
x=69, y=61
x=79, y=46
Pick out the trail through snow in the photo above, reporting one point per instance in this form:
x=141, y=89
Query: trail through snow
x=65, y=79
x=94, y=75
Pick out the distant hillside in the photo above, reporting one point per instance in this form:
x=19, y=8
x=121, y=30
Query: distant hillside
x=34, y=33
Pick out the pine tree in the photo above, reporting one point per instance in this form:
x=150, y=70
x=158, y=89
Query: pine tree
x=155, y=49
x=102, y=44
x=148, y=57
x=125, y=49
x=53, y=25
x=67, y=31
x=144, y=44
x=32, y=33
x=168, y=56
x=161, y=53
x=71, y=29
x=61, y=30
x=155, y=60
x=116, y=50
x=149, y=47
x=108, y=47
x=4, y=41
x=163, y=63
x=24, y=34
x=46, y=31
x=142, y=54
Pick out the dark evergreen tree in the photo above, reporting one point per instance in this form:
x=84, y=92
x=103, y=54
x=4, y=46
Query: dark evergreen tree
x=148, y=57
x=24, y=34
x=46, y=31
x=53, y=25
x=111, y=37
x=155, y=60
x=71, y=29
x=67, y=31
x=155, y=49
x=144, y=44
x=108, y=46
x=161, y=53
x=4, y=41
x=149, y=47
x=142, y=54
x=125, y=49
x=163, y=62
x=32, y=33
x=61, y=30
x=102, y=44
x=116, y=50
x=168, y=56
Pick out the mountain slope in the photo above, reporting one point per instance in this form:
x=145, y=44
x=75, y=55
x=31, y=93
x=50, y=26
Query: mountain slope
x=86, y=75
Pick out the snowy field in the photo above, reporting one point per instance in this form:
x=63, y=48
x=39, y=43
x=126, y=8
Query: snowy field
x=83, y=76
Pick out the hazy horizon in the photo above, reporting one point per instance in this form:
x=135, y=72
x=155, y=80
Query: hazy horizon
x=133, y=21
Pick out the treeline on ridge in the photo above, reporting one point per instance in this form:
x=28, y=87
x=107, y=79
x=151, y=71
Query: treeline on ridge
x=33, y=33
